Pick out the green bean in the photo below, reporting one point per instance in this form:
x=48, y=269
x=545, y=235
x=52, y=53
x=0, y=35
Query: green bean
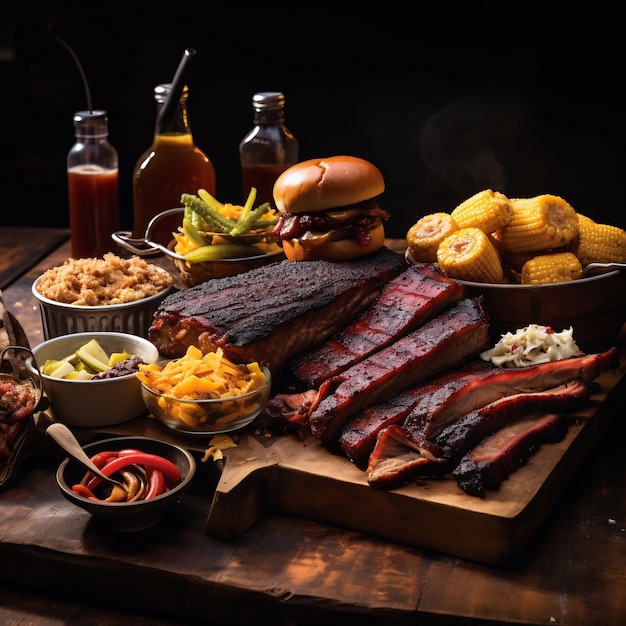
x=191, y=225
x=247, y=223
x=213, y=219
x=247, y=207
x=221, y=251
x=264, y=223
x=210, y=201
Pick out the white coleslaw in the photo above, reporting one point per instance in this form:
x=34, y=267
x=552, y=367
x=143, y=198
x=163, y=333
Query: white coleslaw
x=531, y=345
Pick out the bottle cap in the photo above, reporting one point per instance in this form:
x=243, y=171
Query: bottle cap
x=91, y=123
x=161, y=92
x=268, y=100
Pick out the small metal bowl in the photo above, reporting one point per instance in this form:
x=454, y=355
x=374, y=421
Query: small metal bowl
x=192, y=274
x=196, y=273
x=60, y=319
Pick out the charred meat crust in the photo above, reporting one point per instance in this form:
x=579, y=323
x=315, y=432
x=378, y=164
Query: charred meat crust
x=406, y=302
x=499, y=455
x=448, y=340
x=270, y=304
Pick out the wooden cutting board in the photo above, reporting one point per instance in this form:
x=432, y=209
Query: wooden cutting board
x=280, y=474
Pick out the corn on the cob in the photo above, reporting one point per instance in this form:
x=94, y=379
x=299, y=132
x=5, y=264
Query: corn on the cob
x=469, y=254
x=551, y=268
x=488, y=210
x=599, y=243
x=424, y=237
x=539, y=224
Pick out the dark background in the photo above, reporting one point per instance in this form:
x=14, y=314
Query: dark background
x=443, y=114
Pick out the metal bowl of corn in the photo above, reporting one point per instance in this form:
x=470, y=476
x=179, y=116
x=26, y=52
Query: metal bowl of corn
x=533, y=260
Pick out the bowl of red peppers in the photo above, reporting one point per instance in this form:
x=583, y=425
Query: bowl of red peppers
x=154, y=474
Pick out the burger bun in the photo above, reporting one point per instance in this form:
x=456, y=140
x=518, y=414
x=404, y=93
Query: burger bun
x=330, y=183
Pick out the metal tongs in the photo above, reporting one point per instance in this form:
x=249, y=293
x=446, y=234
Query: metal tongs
x=597, y=266
x=145, y=246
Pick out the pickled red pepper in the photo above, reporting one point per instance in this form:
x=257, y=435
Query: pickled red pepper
x=162, y=474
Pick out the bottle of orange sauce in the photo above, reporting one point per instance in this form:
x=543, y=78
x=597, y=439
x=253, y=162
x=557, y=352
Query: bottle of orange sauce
x=171, y=166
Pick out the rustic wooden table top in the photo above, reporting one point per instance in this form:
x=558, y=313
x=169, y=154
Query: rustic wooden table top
x=57, y=566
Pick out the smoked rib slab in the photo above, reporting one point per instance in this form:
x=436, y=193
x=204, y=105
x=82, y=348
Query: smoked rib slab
x=274, y=312
x=445, y=342
x=407, y=301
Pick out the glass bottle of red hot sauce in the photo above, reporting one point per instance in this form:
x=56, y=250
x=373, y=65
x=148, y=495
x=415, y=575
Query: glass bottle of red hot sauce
x=171, y=166
x=268, y=149
x=93, y=192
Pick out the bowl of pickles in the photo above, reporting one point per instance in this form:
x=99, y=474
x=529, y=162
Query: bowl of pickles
x=90, y=379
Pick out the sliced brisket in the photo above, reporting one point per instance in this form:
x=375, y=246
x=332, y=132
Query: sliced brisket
x=272, y=313
x=468, y=431
x=482, y=389
x=424, y=411
x=417, y=455
x=499, y=455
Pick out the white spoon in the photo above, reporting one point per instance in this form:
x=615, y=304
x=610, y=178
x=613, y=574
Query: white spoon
x=65, y=439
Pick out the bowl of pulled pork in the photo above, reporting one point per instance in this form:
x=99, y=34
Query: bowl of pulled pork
x=108, y=294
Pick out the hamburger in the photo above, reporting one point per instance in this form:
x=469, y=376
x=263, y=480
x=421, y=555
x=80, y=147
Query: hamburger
x=328, y=209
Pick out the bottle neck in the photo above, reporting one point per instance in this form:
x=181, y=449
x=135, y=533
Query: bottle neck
x=91, y=126
x=269, y=116
x=82, y=137
x=179, y=122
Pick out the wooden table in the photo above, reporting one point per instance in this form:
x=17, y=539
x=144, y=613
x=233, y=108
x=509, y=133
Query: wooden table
x=58, y=567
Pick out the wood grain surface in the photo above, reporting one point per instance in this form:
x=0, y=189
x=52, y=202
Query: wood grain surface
x=285, y=475
x=57, y=566
x=22, y=248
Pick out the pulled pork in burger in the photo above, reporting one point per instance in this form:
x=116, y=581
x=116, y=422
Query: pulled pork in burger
x=327, y=209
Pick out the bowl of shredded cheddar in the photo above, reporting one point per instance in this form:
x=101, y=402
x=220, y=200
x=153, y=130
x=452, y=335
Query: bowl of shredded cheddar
x=204, y=394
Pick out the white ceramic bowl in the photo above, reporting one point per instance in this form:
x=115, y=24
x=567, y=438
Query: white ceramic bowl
x=129, y=516
x=64, y=319
x=94, y=403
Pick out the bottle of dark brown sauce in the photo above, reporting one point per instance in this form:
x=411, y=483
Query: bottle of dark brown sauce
x=268, y=149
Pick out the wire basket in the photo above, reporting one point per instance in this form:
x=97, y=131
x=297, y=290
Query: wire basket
x=192, y=274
